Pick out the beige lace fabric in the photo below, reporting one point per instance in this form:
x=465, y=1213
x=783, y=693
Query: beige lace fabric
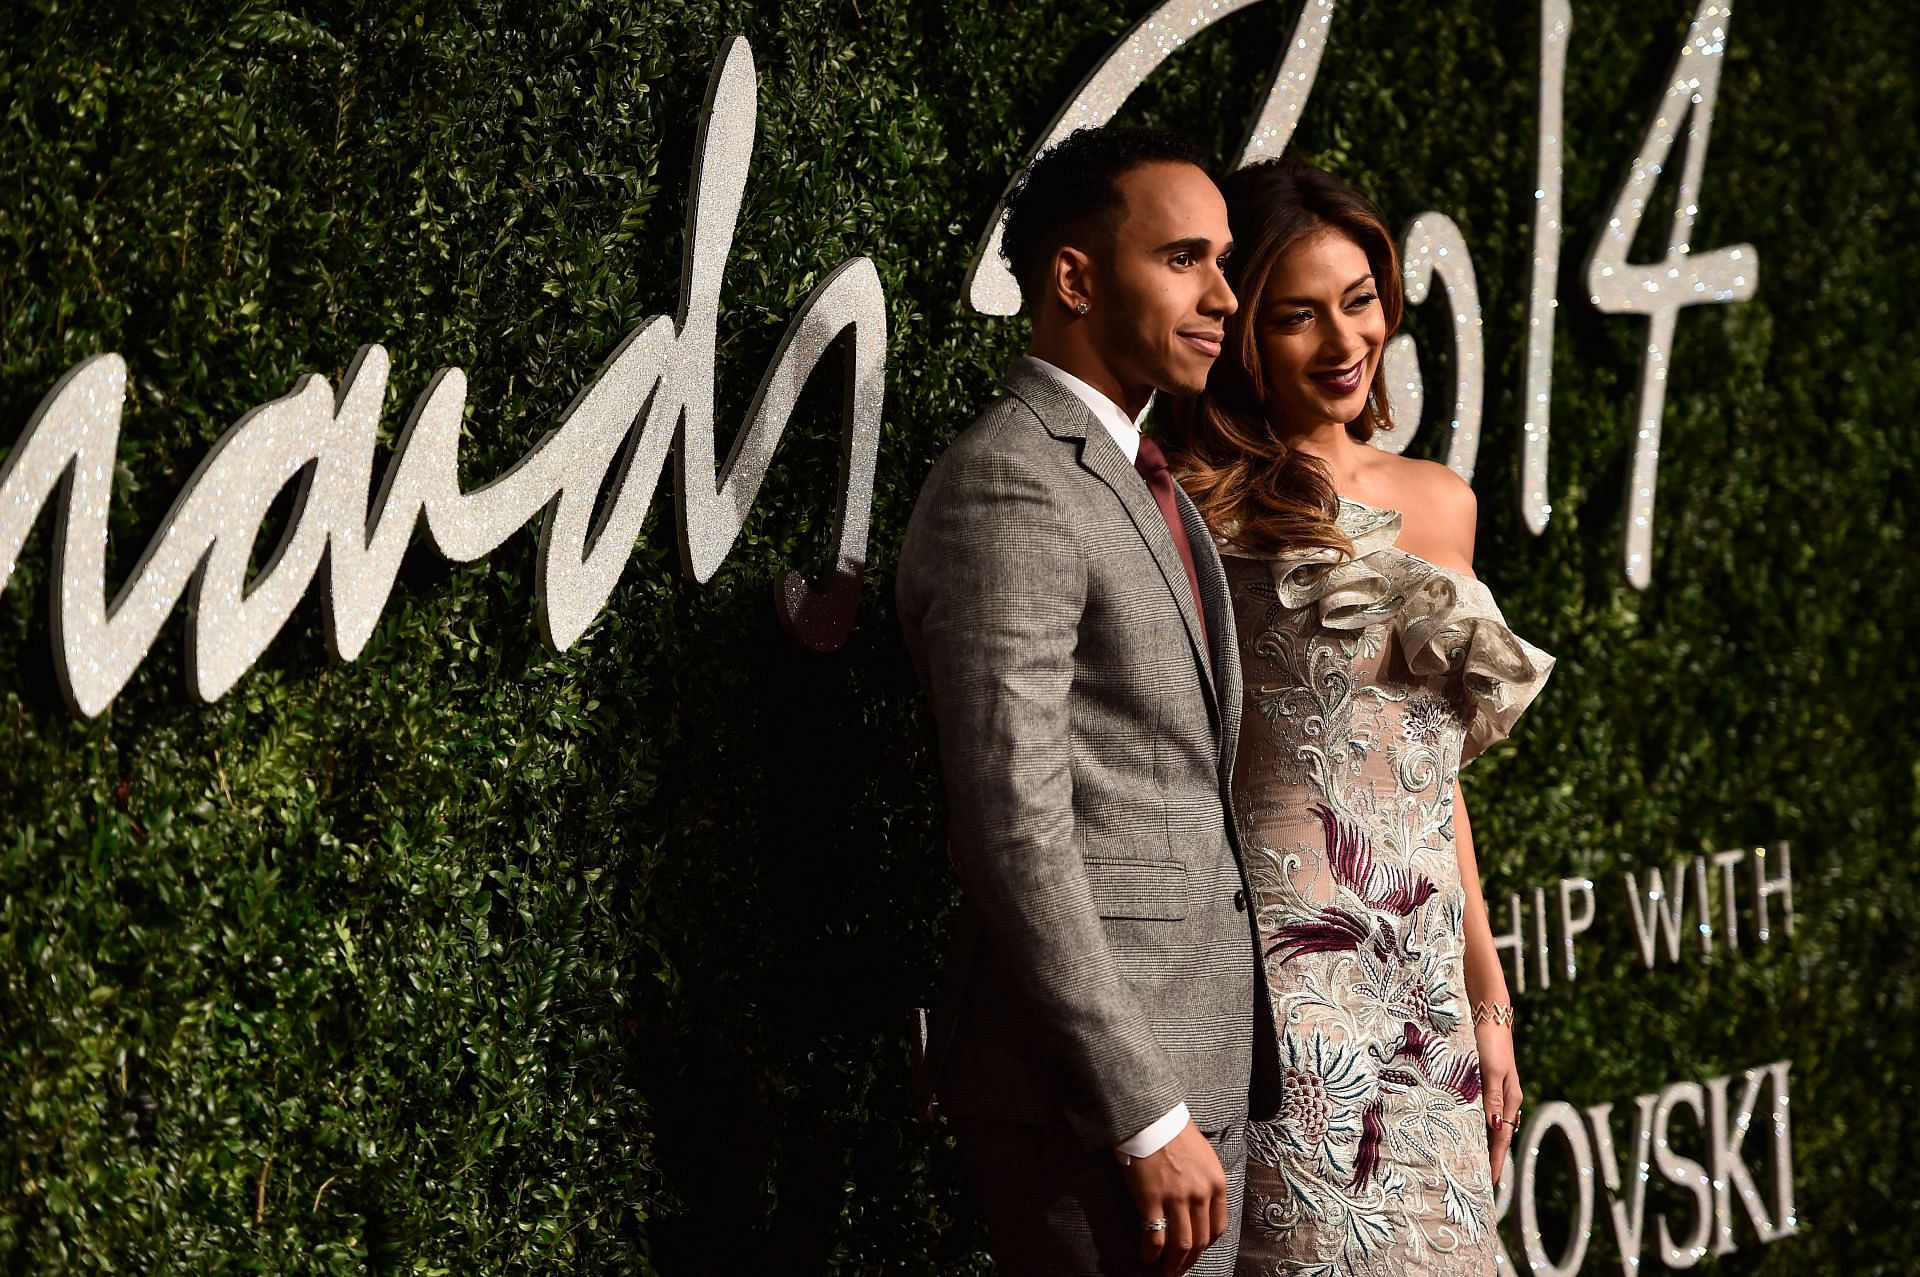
x=1370, y=681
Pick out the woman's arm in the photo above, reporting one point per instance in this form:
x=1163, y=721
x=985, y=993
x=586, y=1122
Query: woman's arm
x=1486, y=984
x=1446, y=539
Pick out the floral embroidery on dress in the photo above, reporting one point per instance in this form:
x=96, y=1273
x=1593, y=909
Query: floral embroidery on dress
x=1370, y=680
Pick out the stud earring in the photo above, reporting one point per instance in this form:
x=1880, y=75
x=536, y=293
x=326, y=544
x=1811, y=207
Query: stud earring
x=1079, y=308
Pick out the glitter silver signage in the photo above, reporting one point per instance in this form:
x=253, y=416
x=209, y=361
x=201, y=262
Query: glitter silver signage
x=1555, y=1117
x=1657, y=902
x=991, y=288
x=657, y=387
x=1683, y=277
x=1721, y=1112
x=1658, y=290
x=1536, y=400
x=1433, y=245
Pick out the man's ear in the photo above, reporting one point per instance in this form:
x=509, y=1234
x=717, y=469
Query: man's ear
x=1070, y=280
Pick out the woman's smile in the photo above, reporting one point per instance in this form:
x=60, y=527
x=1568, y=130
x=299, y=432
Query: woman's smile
x=1341, y=382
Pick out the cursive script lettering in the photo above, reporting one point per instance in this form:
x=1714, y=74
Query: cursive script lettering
x=991, y=287
x=1433, y=243
x=657, y=387
x=1659, y=290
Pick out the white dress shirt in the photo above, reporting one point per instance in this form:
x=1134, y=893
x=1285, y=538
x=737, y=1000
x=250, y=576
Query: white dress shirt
x=1125, y=430
x=1126, y=433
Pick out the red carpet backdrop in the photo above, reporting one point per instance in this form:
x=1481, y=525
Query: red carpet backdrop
x=467, y=807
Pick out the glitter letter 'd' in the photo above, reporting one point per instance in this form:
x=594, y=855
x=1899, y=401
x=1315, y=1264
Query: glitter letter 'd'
x=657, y=384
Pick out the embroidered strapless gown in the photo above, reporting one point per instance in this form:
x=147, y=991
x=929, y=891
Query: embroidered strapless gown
x=1370, y=681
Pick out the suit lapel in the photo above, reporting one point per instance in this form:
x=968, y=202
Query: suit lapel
x=1218, y=594
x=1065, y=417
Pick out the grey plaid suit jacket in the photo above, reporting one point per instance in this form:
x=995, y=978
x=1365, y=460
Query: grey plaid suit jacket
x=1105, y=961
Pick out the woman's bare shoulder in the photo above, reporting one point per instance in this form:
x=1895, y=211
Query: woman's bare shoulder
x=1439, y=512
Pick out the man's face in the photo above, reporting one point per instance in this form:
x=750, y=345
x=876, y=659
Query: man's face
x=1160, y=300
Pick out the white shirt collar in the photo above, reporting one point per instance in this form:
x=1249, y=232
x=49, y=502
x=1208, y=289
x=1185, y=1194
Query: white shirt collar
x=1125, y=432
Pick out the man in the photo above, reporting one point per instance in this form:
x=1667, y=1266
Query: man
x=1070, y=620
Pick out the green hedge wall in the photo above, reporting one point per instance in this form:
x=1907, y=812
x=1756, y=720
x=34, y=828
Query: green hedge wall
x=472, y=958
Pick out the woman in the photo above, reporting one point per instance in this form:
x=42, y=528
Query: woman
x=1376, y=665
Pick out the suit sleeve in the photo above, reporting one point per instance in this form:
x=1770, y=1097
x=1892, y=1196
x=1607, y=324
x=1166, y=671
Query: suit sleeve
x=993, y=586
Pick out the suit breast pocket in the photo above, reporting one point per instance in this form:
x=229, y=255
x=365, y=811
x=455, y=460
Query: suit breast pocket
x=1150, y=890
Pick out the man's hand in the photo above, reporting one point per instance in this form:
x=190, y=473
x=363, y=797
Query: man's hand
x=1183, y=1184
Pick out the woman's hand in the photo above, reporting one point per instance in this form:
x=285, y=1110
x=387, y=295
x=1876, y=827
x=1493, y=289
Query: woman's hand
x=1499, y=1089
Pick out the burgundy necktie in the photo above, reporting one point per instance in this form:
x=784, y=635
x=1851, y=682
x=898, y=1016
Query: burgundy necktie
x=1152, y=465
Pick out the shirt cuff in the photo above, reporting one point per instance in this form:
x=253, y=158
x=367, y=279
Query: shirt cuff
x=1156, y=1137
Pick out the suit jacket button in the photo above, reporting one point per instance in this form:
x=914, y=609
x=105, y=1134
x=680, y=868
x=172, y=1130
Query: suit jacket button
x=1240, y=900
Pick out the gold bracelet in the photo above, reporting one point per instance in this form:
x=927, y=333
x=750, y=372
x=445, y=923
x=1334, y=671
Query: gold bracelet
x=1485, y=1012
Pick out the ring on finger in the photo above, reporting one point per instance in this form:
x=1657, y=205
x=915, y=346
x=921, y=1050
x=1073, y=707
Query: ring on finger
x=1154, y=1226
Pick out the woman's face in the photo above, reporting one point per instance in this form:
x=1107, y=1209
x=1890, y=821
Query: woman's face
x=1319, y=332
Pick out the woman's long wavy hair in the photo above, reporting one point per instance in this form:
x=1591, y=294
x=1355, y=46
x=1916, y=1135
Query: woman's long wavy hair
x=1256, y=492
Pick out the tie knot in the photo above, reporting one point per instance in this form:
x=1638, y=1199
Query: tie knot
x=1150, y=461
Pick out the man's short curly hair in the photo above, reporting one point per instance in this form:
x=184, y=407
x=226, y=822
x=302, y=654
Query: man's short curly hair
x=1071, y=190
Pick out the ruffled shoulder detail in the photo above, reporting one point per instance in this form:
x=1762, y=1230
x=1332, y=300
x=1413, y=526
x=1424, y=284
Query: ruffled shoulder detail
x=1351, y=592
x=1447, y=623
x=1451, y=627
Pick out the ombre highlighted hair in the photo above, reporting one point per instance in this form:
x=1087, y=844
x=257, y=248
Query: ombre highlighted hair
x=1257, y=493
